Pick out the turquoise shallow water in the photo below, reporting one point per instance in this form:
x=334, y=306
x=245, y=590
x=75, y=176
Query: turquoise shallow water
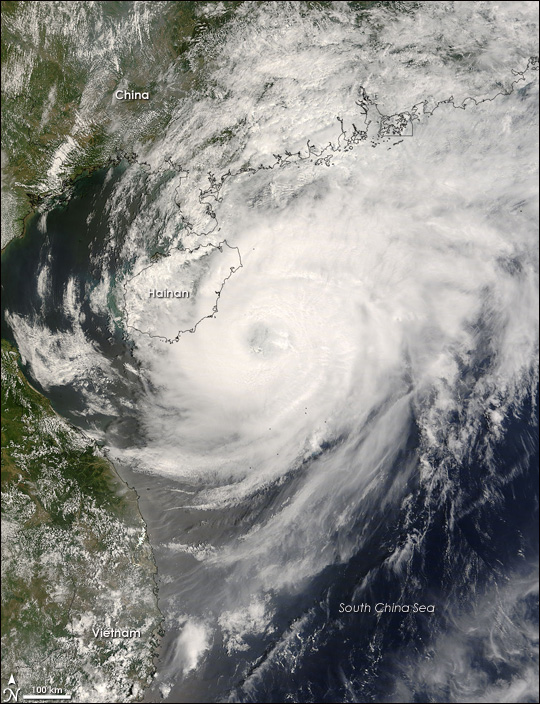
x=69, y=251
x=309, y=652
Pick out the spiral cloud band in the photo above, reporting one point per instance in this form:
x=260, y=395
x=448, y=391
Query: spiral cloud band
x=355, y=332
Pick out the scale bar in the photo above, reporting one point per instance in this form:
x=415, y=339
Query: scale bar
x=41, y=697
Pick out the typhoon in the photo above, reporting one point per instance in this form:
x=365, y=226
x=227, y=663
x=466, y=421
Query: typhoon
x=336, y=405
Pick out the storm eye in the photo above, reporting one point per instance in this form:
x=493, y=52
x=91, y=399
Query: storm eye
x=268, y=341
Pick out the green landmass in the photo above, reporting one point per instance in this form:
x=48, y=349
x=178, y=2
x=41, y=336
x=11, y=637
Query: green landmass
x=75, y=556
x=62, y=62
x=75, y=550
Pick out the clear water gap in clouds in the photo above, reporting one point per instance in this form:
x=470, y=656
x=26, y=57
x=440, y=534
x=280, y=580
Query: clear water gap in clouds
x=380, y=335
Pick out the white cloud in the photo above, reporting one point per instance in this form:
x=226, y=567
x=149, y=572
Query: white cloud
x=192, y=643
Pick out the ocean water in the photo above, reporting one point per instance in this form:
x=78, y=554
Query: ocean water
x=356, y=420
x=295, y=645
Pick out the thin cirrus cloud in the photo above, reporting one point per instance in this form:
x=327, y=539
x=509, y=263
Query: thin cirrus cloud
x=395, y=287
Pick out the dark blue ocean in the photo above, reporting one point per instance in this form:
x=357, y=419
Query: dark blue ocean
x=473, y=546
